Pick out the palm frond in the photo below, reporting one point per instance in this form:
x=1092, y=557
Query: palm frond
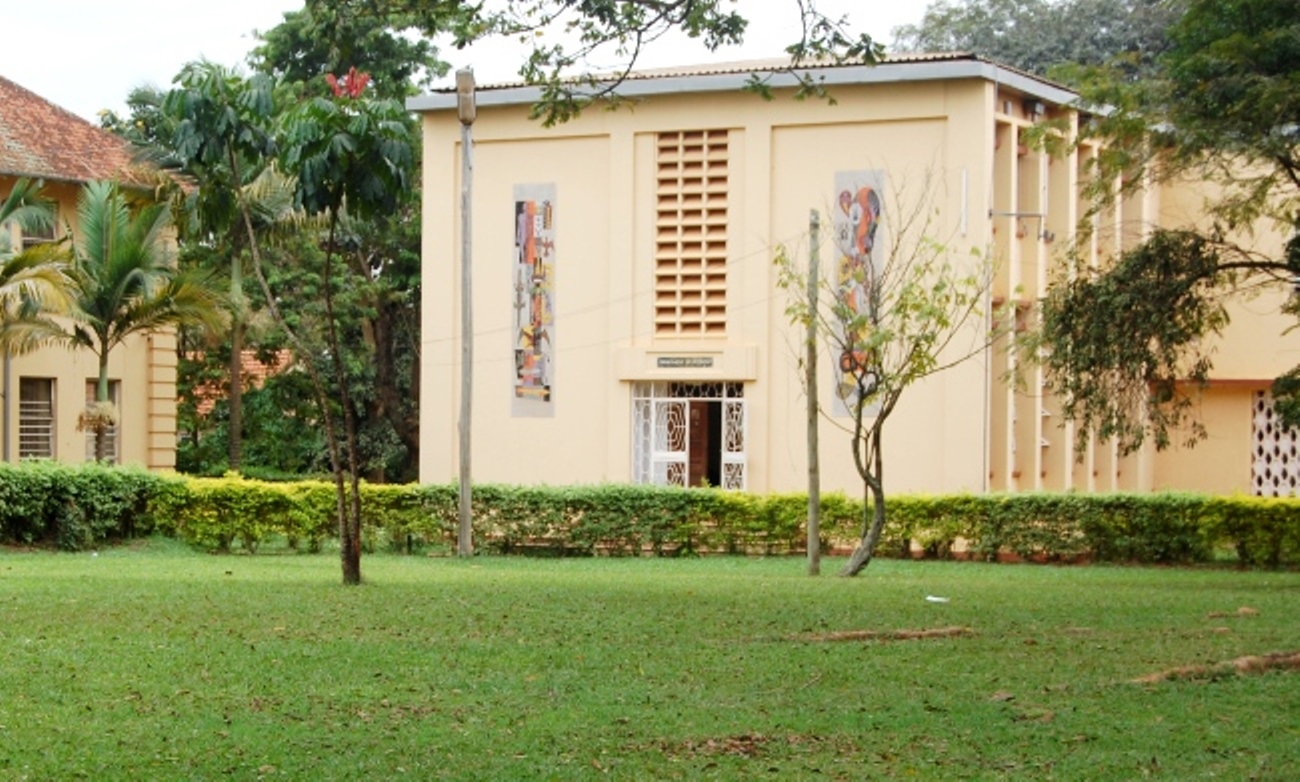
x=37, y=275
x=25, y=207
x=126, y=282
x=21, y=336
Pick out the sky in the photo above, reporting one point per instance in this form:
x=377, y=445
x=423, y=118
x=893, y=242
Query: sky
x=87, y=55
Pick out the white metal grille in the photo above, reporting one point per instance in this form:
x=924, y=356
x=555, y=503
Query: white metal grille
x=733, y=444
x=35, y=418
x=671, y=433
x=661, y=432
x=1275, y=466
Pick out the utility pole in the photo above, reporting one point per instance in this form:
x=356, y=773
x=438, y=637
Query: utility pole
x=810, y=383
x=466, y=111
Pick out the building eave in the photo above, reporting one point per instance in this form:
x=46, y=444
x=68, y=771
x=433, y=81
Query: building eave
x=955, y=67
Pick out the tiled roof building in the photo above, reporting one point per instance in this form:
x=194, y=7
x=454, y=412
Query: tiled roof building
x=44, y=392
x=43, y=141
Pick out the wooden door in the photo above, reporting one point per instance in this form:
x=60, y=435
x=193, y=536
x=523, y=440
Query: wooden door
x=697, y=456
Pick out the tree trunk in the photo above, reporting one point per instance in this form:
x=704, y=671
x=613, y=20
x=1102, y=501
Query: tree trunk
x=236, y=397
x=235, y=427
x=350, y=553
x=872, y=471
x=101, y=396
x=350, y=506
x=873, y=524
x=389, y=403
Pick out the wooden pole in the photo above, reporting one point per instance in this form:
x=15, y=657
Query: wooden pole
x=810, y=383
x=466, y=109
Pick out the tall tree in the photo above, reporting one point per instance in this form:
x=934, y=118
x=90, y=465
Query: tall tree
x=890, y=316
x=145, y=124
x=1039, y=35
x=126, y=283
x=346, y=151
x=1223, y=109
x=379, y=312
x=217, y=130
x=309, y=45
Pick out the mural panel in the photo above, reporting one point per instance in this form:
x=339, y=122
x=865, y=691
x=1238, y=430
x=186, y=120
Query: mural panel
x=859, y=203
x=534, y=301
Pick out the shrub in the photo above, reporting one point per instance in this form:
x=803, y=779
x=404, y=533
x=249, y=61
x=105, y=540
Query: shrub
x=76, y=506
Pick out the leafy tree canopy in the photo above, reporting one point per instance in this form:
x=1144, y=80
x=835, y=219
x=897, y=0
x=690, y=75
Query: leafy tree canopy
x=581, y=50
x=333, y=38
x=1232, y=95
x=1039, y=35
x=1222, y=108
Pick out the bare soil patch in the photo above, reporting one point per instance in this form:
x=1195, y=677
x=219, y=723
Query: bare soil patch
x=746, y=745
x=885, y=635
x=1250, y=664
x=1244, y=611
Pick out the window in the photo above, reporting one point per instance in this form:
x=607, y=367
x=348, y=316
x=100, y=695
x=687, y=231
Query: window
x=40, y=236
x=691, y=234
x=110, y=434
x=35, y=418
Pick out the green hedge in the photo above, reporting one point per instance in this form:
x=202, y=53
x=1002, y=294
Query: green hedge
x=74, y=507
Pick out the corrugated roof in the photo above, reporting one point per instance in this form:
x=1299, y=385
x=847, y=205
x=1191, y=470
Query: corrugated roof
x=779, y=63
x=43, y=141
x=733, y=75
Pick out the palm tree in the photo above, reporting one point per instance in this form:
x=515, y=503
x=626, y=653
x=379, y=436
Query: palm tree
x=33, y=280
x=125, y=283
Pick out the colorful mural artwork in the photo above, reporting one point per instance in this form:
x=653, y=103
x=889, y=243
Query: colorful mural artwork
x=534, y=300
x=857, y=232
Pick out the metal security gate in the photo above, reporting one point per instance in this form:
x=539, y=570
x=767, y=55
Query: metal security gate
x=689, y=434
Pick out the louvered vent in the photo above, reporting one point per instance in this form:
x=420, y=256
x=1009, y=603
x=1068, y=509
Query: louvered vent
x=691, y=235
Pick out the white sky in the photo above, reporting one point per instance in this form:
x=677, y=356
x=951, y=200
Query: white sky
x=87, y=55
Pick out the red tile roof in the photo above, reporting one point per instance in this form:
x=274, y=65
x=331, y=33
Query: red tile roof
x=253, y=373
x=42, y=141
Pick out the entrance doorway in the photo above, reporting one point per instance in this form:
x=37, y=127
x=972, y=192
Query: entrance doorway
x=689, y=434
x=704, y=446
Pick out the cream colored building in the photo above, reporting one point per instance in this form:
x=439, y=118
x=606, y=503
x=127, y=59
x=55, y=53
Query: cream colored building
x=45, y=392
x=627, y=322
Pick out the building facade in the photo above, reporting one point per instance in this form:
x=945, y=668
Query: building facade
x=627, y=322
x=46, y=391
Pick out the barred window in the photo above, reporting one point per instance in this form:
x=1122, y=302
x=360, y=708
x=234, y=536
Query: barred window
x=35, y=418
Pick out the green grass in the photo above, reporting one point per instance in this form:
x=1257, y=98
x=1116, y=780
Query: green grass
x=158, y=663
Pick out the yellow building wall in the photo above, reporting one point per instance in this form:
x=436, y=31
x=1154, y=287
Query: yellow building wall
x=968, y=429
x=144, y=366
x=603, y=167
x=506, y=448
x=1257, y=346
x=931, y=146
x=1221, y=464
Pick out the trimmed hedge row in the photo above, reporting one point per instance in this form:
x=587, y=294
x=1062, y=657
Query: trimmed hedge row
x=74, y=506
x=79, y=506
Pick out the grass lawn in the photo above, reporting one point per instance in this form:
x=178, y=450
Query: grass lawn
x=155, y=662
